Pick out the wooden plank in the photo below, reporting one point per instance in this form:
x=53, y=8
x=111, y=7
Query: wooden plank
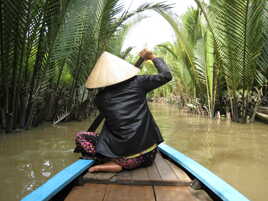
x=172, y=193
x=222, y=189
x=153, y=173
x=200, y=195
x=59, y=181
x=166, y=173
x=129, y=193
x=103, y=177
x=123, y=177
x=179, y=172
x=87, y=192
x=140, y=175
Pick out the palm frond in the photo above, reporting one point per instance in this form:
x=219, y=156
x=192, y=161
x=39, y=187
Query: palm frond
x=161, y=6
x=183, y=46
x=119, y=37
x=126, y=52
x=237, y=23
x=192, y=24
x=169, y=49
x=262, y=70
x=237, y=51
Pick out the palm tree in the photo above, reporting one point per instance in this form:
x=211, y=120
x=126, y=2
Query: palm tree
x=206, y=69
x=194, y=56
x=238, y=34
x=182, y=52
x=27, y=33
x=48, y=47
x=100, y=25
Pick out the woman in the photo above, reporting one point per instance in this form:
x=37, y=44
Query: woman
x=130, y=136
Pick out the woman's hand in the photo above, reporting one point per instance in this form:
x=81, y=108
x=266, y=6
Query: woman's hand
x=146, y=54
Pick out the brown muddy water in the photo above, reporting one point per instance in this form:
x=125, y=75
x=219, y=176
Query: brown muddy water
x=235, y=152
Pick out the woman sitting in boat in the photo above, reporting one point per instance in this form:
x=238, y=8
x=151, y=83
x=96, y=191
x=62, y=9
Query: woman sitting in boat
x=130, y=136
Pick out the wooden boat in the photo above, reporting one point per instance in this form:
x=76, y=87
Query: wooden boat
x=262, y=113
x=262, y=109
x=173, y=176
x=262, y=116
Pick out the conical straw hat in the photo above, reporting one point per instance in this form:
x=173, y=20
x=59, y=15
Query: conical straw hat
x=110, y=70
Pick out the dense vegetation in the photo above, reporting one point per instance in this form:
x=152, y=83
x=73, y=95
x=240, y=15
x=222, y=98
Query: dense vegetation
x=48, y=47
x=219, y=59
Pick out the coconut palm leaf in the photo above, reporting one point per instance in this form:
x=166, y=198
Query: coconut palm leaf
x=262, y=71
x=192, y=25
x=43, y=42
x=237, y=51
x=205, y=69
x=182, y=74
x=15, y=22
x=94, y=32
x=27, y=31
x=119, y=37
x=187, y=34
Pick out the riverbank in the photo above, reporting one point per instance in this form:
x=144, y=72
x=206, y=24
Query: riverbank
x=194, y=107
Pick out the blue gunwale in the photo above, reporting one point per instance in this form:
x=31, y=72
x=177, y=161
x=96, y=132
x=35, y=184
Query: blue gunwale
x=222, y=189
x=59, y=181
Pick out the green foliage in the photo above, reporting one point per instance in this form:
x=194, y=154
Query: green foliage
x=48, y=48
x=28, y=29
x=220, y=53
x=238, y=34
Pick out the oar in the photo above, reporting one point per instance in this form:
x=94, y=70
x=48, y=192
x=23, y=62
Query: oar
x=139, y=62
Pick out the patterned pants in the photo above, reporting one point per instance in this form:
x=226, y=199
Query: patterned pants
x=86, y=145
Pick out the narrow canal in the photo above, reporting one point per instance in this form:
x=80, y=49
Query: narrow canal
x=237, y=153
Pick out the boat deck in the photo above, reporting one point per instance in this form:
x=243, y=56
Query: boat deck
x=163, y=181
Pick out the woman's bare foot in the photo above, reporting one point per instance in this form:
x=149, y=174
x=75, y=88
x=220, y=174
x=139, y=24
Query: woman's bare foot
x=106, y=167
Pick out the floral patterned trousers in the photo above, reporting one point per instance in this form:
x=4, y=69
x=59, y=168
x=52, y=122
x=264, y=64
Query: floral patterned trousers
x=86, y=145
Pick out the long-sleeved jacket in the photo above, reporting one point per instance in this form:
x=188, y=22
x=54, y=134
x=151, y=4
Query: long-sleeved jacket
x=129, y=126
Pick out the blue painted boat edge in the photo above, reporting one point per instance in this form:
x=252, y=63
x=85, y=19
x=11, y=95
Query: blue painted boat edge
x=222, y=189
x=59, y=181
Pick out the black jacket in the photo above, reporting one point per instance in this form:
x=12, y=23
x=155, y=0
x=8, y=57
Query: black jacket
x=129, y=126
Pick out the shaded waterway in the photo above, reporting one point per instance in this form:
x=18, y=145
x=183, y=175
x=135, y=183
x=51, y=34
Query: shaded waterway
x=235, y=152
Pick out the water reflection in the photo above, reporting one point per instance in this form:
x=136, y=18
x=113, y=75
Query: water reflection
x=30, y=158
x=235, y=152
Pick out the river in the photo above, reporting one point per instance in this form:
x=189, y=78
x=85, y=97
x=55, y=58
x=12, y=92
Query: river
x=237, y=153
